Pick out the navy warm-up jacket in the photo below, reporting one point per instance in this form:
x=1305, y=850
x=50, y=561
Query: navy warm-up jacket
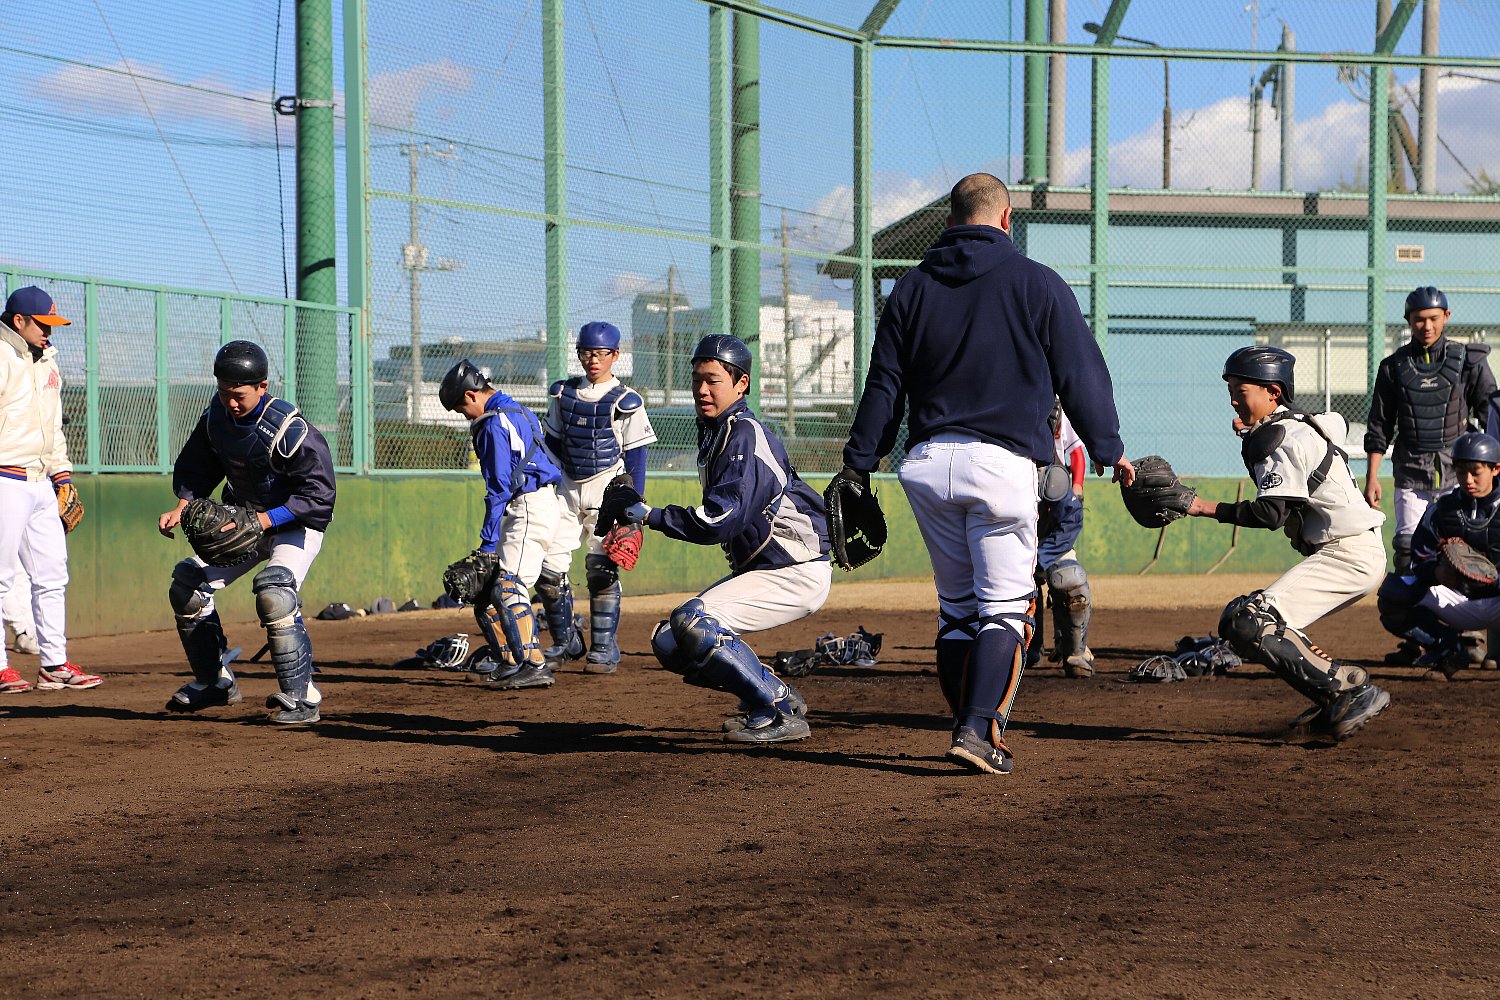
x=977, y=339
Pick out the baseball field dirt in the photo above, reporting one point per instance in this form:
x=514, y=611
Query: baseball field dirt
x=432, y=837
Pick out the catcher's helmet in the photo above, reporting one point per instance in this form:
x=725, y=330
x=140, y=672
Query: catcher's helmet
x=461, y=378
x=1476, y=446
x=1263, y=366
x=1425, y=297
x=723, y=347
x=599, y=336
x=241, y=362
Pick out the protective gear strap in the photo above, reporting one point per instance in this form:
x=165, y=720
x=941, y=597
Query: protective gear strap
x=600, y=572
x=197, y=621
x=277, y=605
x=509, y=607
x=1255, y=630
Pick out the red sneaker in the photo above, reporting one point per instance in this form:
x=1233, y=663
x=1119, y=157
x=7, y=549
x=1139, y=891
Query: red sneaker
x=66, y=676
x=12, y=682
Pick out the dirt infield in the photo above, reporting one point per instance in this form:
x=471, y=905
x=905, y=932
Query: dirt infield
x=431, y=837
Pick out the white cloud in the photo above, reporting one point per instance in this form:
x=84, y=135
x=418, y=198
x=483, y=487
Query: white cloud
x=627, y=284
x=395, y=96
x=893, y=196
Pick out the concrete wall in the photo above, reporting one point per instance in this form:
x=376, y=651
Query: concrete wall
x=393, y=535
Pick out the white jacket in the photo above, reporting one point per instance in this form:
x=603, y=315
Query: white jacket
x=31, y=435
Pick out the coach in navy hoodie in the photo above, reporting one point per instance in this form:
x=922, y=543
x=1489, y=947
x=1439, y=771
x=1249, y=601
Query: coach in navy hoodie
x=976, y=341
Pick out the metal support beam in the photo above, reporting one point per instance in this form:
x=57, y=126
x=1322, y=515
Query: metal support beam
x=879, y=14
x=1286, y=99
x=1034, y=98
x=744, y=276
x=864, y=274
x=164, y=456
x=1387, y=35
x=91, y=332
x=1099, y=179
x=554, y=139
x=1057, y=97
x=720, y=121
x=1427, y=103
x=357, y=232
x=317, y=217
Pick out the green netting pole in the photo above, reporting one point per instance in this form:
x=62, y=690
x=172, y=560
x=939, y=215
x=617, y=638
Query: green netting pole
x=554, y=105
x=163, y=385
x=91, y=372
x=289, y=346
x=1099, y=178
x=1387, y=35
x=744, y=274
x=1034, y=118
x=357, y=229
x=317, y=217
x=864, y=271
x=720, y=115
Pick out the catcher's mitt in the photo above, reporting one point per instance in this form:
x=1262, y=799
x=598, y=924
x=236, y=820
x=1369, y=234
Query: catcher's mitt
x=623, y=544
x=221, y=535
x=619, y=496
x=856, y=524
x=471, y=576
x=69, y=507
x=1464, y=568
x=1157, y=497
x=1157, y=670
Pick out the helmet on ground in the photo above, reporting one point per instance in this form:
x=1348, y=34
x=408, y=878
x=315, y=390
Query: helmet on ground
x=241, y=362
x=1263, y=366
x=461, y=378
x=725, y=348
x=1476, y=446
x=599, y=335
x=1425, y=297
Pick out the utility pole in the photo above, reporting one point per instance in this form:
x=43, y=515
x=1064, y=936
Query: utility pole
x=414, y=259
x=786, y=331
x=666, y=381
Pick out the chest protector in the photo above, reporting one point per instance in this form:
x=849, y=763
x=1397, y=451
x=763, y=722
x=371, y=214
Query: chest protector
x=255, y=455
x=1266, y=438
x=1430, y=418
x=1454, y=515
x=589, y=444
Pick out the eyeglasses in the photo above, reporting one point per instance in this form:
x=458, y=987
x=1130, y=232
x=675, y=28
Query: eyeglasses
x=595, y=354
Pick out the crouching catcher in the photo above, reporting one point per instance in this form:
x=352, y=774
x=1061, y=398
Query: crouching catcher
x=280, y=479
x=1304, y=487
x=772, y=528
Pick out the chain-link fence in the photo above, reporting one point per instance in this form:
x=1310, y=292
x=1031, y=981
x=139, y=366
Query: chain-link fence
x=1200, y=174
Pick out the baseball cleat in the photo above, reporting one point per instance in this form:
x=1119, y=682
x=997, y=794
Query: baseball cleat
x=557, y=653
x=1080, y=665
x=532, y=675
x=66, y=675
x=783, y=729
x=12, y=682
x=1351, y=710
x=192, y=696
x=291, y=712
x=21, y=642
x=973, y=751
x=792, y=704
x=603, y=658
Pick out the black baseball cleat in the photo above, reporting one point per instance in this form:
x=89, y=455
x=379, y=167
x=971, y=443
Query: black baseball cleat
x=792, y=704
x=1352, y=709
x=558, y=653
x=191, y=697
x=975, y=752
x=532, y=675
x=783, y=729
x=288, y=711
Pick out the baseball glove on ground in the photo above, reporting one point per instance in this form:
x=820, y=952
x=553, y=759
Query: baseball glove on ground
x=623, y=544
x=221, y=535
x=69, y=507
x=471, y=576
x=1157, y=496
x=619, y=496
x=856, y=524
x=1464, y=568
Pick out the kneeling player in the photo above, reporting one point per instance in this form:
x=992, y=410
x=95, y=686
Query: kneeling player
x=772, y=528
x=279, y=468
x=1431, y=605
x=520, y=518
x=1304, y=487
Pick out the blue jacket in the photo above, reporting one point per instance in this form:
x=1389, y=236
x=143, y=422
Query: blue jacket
x=1059, y=526
x=754, y=505
x=508, y=444
x=977, y=340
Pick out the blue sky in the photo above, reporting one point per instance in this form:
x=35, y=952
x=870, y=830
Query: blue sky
x=107, y=197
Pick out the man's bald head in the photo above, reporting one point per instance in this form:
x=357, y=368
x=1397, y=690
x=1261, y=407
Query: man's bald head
x=980, y=200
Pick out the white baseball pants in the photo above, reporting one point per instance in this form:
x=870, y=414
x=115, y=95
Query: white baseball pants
x=1332, y=578
x=526, y=532
x=578, y=512
x=32, y=536
x=766, y=598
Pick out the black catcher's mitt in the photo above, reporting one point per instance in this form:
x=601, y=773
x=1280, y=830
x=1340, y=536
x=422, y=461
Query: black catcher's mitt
x=1464, y=568
x=221, y=535
x=471, y=576
x=856, y=524
x=619, y=496
x=1157, y=497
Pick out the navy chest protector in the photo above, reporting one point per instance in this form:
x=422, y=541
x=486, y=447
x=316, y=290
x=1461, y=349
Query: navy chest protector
x=1428, y=419
x=1455, y=516
x=589, y=444
x=255, y=455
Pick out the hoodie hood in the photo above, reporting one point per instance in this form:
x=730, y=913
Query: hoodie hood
x=963, y=253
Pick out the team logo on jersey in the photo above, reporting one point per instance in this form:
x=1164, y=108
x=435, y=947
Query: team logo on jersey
x=1271, y=480
x=53, y=382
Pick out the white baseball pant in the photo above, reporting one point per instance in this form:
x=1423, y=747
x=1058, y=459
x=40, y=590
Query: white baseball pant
x=1467, y=614
x=1410, y=506
x=578, y=512
x=32, y=535
x=765, y=598
x=525, y=533
x=292, y=547
x=1332, y=578
x=16, y=608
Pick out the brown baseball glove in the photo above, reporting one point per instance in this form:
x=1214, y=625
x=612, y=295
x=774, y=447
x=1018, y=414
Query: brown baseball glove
x=69, y=507
x=1464, y=568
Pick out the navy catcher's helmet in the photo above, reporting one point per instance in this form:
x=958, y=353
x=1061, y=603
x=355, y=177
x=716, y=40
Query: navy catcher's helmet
x=723, y=347
x=1476, y=446
x=1425, y=297
x=241, y=362
x=1263, y=366
x=599, y=336
x=461, y=378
